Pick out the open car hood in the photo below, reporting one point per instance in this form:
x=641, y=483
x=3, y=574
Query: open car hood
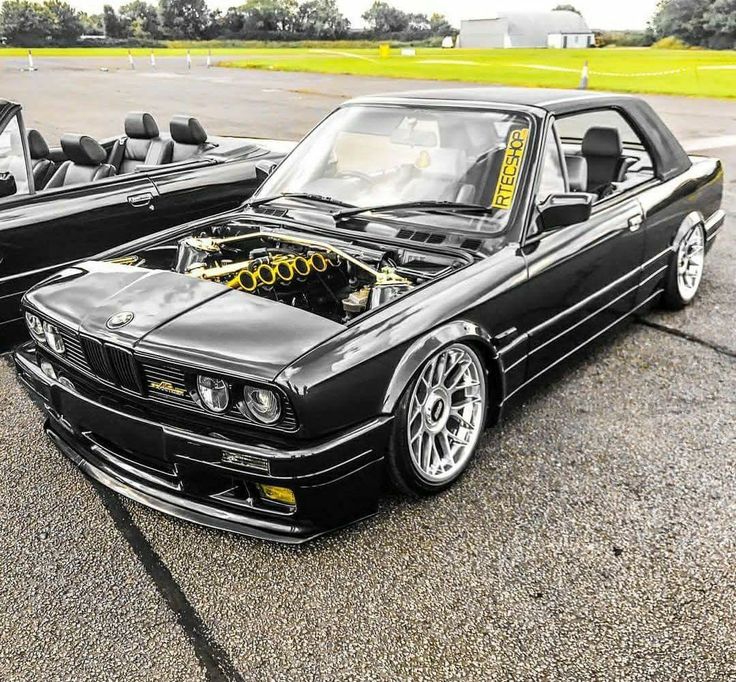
x=182, y=319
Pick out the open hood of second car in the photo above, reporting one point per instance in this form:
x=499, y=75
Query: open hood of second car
x=184, y=320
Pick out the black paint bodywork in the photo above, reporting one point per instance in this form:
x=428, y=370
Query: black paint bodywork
x=45, y=231
x=525, y=303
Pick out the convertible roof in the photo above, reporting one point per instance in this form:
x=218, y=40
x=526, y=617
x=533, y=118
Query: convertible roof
x=541, y=98
x=669, y=156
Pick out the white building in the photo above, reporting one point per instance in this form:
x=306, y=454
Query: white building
x=527, y=29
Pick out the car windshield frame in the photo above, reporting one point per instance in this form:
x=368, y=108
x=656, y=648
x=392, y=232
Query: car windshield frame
x=451, y=222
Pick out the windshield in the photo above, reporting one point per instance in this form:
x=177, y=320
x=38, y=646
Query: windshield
x=368, y=155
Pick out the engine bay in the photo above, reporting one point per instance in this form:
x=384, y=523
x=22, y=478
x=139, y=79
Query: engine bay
x=335, y=279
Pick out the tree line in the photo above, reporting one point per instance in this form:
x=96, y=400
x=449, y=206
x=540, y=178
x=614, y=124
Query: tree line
x=705, y=23
x=56, y=22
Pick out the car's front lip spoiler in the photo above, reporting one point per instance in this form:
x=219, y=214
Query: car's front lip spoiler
x=204, y=515
x=285, y=528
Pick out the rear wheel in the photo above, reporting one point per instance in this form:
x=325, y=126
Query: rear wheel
x=686, y=269
x=439, y=421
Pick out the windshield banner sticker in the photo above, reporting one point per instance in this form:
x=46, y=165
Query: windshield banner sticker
x=503, y=197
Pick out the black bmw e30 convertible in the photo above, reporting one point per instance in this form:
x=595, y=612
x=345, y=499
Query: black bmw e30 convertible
x=408, y=268
x=64, y=204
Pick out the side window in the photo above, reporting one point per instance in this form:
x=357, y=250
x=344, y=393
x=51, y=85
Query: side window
x=615, y=157
x=552, y=180
x=12, y=157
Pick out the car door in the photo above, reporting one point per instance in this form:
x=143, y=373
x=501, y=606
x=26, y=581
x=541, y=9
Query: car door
x=41, y=232
x=210, y=185
x=582, y=278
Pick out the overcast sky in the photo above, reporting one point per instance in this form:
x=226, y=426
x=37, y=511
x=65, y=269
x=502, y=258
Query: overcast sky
x=606, y=14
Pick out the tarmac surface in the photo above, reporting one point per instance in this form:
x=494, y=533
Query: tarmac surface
x=592, y=537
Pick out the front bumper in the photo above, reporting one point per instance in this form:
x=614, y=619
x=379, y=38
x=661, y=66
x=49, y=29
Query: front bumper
x=208, y=479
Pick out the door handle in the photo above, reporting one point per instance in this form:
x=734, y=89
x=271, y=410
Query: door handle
x=141, y=200
x=635, y=222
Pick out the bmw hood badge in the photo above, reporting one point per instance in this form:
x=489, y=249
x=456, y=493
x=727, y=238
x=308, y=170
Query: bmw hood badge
x=119, y=320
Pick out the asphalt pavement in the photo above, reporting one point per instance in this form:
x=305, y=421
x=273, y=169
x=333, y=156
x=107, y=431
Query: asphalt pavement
x=592, y=537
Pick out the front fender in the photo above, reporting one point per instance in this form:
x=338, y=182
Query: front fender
x=424, y=347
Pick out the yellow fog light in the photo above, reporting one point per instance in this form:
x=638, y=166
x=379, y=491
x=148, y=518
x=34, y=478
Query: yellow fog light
x=277, y=493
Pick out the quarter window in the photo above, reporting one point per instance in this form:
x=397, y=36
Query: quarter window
x=615, y=158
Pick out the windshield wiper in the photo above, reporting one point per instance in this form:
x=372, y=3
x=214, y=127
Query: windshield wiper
x=259, y=201
x=442, y=207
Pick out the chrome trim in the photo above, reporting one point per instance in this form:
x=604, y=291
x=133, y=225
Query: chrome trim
x=28, y=273
x=714, y=224
x=584, y=343
x=653, y=259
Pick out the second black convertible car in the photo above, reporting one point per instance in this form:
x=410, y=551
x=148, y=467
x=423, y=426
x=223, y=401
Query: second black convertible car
x=407, y=269
x=60, y=205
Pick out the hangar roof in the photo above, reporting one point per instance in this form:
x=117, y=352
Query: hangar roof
x=540, y=23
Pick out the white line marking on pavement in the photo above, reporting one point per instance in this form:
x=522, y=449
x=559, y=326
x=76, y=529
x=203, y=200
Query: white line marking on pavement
x=705, y=143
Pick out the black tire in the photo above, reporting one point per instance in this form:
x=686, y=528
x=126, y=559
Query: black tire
x=402, y=471
x=674, y=297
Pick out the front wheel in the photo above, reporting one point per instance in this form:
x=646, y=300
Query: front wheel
x=686, y=269
x=439, y=421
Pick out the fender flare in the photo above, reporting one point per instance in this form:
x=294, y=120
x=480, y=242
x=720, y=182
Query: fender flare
x=691, y=219
x=428, y=344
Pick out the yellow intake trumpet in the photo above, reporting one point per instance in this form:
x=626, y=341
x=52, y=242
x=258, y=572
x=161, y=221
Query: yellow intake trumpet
x=277, y=269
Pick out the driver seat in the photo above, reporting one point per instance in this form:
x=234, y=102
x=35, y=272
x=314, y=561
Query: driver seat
x=85, y=162
x=189, y=137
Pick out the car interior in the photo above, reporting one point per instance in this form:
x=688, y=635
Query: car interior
x=604, y=156
x=81, y=159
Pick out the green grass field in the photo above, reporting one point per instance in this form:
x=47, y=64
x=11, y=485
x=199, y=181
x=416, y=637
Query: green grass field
x=700, y=73
x=677, y=72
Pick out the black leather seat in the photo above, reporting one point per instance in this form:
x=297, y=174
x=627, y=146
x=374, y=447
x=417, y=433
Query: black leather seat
x=86, y=162
x=189, y=137
x=603, y=152
x=41, y=165
x=141, y=146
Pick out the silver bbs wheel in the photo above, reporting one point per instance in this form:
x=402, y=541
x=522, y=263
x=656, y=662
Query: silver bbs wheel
x=446, y=412
x=690, y=259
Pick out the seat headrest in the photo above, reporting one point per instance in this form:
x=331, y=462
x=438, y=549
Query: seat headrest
x=140, y=125
x=602, y=142
x=82, y=149
x=37, y=147
x=577, y=172
x=187, y=130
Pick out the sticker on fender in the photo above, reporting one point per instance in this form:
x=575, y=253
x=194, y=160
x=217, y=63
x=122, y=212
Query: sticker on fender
x=508, y=176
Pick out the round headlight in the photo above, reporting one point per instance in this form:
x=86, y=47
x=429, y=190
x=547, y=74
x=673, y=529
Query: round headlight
x=35, y=326
x=213, y=392
x=262, y=404
x=53, y=338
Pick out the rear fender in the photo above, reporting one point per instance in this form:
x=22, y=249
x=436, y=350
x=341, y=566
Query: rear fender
x=691, y=219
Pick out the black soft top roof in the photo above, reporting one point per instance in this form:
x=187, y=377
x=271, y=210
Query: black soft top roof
x=670, y=159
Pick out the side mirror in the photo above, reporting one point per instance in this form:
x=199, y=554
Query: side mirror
x=264, y=169
x=7, y=185
x=561, y=210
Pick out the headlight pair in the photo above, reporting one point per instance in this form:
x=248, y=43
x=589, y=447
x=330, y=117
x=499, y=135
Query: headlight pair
x=260, y=404
x=45, y=332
